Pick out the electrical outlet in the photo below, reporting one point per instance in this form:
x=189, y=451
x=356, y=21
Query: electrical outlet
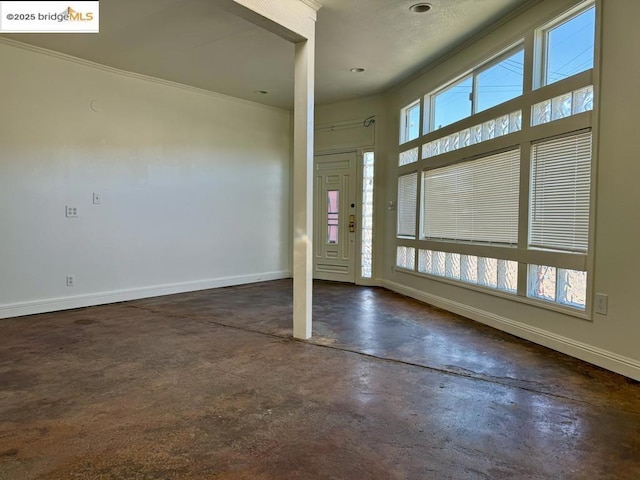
x=71, y=280
x=71, y=212
x=97, y=198
x=602, y=303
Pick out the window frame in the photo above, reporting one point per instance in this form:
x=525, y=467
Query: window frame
x=509, y=52
x=405, y=124
x=524, y=138
x=541, y=41
x=369, y=219
x=429, y=98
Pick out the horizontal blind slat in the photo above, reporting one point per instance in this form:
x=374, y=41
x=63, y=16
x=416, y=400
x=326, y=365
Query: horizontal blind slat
x=473, y=201
x=407, y=204
x=560, y=193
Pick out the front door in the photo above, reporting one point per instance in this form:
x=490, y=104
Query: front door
x=335, y=217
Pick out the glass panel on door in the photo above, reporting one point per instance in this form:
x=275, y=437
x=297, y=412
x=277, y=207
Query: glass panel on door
x=332, y=216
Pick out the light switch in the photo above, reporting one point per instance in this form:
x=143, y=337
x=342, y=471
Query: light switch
x=602, y=303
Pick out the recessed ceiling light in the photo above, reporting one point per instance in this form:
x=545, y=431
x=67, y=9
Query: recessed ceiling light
x=357, y=70
x=420, y=8
x=261, y=92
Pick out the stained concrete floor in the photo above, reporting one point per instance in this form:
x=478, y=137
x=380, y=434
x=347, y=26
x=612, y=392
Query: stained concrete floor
x=210, y=385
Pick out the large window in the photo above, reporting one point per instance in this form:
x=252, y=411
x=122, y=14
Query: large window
x=410, y=122
x=500, y=82
x=451, y=104
x=504, y=163
x=487, y=86
x=568, y=46
x=475, y=201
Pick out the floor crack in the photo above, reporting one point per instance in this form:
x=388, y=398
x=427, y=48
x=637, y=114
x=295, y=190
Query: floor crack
x=456, y=371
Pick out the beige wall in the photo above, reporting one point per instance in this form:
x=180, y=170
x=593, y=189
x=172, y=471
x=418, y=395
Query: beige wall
x=612, y=341
x=617, y=257
x=195, y=186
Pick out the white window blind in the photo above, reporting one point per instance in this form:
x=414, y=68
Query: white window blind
x=407, y=204
x=474, y=201
x=560, y=190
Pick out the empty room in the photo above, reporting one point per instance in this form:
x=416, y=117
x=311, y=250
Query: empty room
x=300, y=239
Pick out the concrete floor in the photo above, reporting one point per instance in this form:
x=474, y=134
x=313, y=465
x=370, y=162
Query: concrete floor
x=210, y=385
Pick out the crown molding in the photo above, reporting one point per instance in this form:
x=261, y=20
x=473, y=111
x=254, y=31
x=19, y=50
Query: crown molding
x=138, y=76
x=313, y=4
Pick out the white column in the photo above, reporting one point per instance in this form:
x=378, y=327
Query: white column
x=303, y=187
x=295, y=21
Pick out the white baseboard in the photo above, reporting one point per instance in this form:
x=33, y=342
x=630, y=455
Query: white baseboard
x=101, y=298
x=603, y=358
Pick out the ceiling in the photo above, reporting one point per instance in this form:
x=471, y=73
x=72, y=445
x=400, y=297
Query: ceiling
x=197, y=43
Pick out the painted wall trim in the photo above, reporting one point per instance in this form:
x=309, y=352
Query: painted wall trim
x=101, y=298
x=603, y=358
x=313, y=4
x=138, y=76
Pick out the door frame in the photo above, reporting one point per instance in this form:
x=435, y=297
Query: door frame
x=359, y=151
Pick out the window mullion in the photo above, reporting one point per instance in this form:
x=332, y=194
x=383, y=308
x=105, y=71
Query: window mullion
x=525, y=162
x=529, y=63
x=474, y=94
x=419, y=206
x=423, y=107
x=523, y=212
x=431, y=114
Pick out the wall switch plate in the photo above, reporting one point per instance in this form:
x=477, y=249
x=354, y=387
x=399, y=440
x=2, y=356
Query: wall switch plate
x=71, y=280
x=71, y=212
x=602, y=303
x=97, y=198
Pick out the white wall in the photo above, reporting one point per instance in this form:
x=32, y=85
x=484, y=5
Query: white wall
x=194, y=186
x=611, y=341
